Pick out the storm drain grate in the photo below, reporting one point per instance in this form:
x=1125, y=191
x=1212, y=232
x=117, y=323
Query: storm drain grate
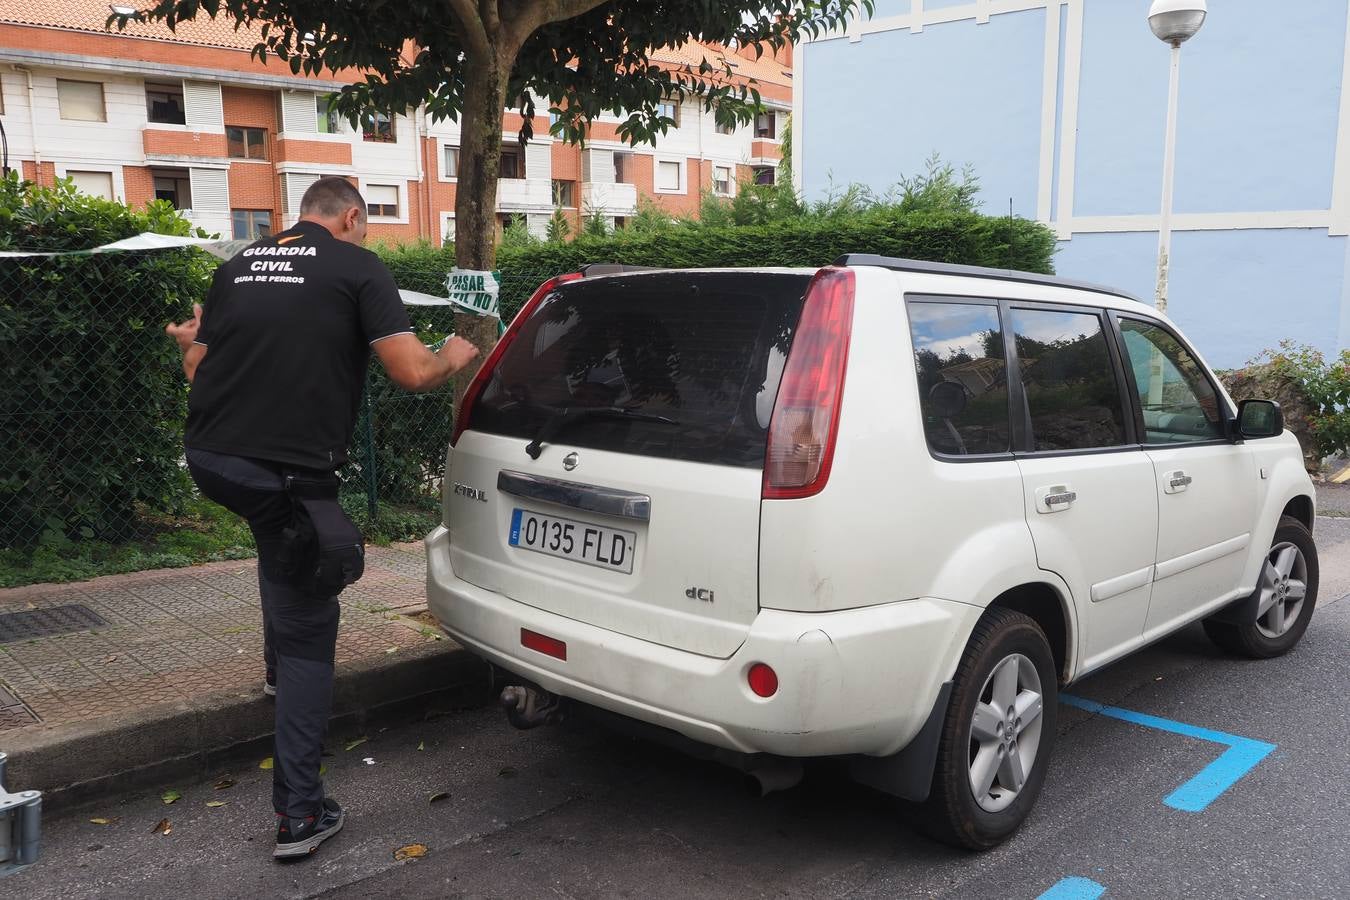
x=36, y=623
x=14, y=713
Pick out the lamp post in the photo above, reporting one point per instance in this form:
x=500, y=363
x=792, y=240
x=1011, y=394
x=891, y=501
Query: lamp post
x=1174, y=22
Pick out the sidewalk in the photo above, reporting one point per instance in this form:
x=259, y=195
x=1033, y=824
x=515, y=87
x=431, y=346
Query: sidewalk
x=164, y=664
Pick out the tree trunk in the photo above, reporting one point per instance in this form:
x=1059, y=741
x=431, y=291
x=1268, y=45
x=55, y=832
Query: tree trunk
x=476, y=193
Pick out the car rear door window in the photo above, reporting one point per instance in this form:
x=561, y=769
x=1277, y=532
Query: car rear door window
x=963, y=383
x=673, y=365
x=1072, y=396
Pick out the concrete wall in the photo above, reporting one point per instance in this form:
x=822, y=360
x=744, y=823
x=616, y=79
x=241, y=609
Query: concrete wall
x=1060, y=105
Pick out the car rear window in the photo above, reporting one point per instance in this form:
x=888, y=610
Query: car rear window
x=671, y=365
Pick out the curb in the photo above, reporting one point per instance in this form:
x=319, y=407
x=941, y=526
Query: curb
x=85, y=761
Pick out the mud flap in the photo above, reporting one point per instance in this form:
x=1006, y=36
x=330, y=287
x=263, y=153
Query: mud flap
x=907, y=774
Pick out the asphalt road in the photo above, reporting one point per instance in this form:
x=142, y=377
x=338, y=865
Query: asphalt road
x=578, y=812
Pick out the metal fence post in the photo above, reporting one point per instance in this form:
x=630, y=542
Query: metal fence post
x=372, y=490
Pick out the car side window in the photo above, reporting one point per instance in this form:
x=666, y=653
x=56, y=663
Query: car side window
x=963, y=378
x=1179, y=403
x=1070, y=391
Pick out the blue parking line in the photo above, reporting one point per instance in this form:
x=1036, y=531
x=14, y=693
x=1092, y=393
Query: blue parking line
x=1240, y=758
x=1074, y=889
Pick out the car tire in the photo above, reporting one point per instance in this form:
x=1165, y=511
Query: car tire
x=1287, y=588
x=1005, y=644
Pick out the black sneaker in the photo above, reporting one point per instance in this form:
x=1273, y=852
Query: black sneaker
x=301, y=837
x=270, y=683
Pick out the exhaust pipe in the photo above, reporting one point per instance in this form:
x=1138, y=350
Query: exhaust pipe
x=529, y=707
x=773, y=775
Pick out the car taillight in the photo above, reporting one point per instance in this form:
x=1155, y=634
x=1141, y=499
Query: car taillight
x=805, y=418
x=485, y=372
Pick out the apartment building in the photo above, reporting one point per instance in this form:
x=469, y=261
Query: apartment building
x=190, y=117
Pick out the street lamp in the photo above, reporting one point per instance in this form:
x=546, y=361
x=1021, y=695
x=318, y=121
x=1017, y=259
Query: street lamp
x=1174, y=22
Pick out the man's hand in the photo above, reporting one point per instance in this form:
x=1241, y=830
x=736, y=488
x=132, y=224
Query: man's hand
x=186, y=332
x=457, y=353
x=412, y=366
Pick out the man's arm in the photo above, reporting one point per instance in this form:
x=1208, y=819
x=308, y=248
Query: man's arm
x=415, y=368
x=185, y=334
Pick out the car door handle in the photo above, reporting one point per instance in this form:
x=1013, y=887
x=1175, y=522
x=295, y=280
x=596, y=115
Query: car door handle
x=1177, y=482
x=1055, y=499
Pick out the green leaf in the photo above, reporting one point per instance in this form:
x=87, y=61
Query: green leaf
x=352, y=745
x=170, y=797
x=214, y=804
x=266, y=763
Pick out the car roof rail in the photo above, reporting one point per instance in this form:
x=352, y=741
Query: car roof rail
x=592, y=269
x=938, y=268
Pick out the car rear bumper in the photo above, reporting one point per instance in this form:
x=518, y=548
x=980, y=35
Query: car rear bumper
x=857, y=681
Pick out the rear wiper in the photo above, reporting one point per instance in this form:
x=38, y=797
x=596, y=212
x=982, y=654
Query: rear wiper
x=565, y=418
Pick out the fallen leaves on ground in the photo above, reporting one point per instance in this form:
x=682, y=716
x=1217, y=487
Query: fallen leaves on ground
x=215, y=803
x=224, y=783
x=164, y=827
x=392, y=650
x=507, y=772
x=352, y=745
x=170, y=797
x=100, y=820
x=266, y=763
x=412, y=851
x=369, y=760
x=421, y=745
x=443, y=795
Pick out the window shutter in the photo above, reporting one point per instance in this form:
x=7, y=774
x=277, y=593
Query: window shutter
x=95, y=184
x=668, y=176
x=600, y=166
x=299, y=112
x=382, y=194
x=538, y=161
x=293, y=187
x=80, y=101
x=202, y=106
x=210, y=189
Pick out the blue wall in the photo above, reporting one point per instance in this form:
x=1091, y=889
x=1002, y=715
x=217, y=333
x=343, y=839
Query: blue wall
x=880, y=107
x=1258, y=121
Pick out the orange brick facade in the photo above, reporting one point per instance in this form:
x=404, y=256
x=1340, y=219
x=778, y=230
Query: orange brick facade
x=220, y=55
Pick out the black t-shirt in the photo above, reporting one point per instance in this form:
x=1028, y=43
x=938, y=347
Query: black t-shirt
x=288, y=325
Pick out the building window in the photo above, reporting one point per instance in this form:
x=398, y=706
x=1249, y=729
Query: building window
x=382, y=200
x=765, y=174
x=620, y=222
x=95, y=184
x=246, y=143
x=251, y=224
x=448, y=228
x=174, y=187
x=724, y=127
x=722, y=180
x=667, y=176
x=81, y=101
x=766, y=125
x=378, y=128
x=450, y=163
x=164, y=104
x=327, y=117
x=565, y=194
x=671, y=110
x=623, y=168
x=513, y=163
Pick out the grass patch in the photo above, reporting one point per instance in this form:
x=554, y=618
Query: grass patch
x=204, y=533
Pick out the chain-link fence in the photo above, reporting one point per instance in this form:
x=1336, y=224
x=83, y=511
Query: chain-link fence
x=93, y=400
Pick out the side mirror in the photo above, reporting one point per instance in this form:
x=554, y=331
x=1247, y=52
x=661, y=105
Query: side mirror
x=1259, y=419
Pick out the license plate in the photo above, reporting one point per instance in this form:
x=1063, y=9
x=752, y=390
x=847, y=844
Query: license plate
x=594, y=545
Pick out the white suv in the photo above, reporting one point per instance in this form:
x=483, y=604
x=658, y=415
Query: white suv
x=880, y=511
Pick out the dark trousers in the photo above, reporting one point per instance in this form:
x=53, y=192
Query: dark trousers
x=299, y=629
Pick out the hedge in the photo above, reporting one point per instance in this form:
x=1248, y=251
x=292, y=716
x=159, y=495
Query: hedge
x=941, y=237
x=91, y=390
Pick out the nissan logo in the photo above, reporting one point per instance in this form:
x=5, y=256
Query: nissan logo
x=570, y=461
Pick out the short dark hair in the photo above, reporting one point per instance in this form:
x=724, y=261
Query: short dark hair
x=330, y=197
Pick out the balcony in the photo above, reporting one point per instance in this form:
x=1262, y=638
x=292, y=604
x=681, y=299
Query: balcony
x=766, y=150
x=525, y=193
x=170, y=143
x=611, y=199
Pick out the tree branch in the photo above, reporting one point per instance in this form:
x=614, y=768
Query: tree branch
x=476, y=43
x=531, y=15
